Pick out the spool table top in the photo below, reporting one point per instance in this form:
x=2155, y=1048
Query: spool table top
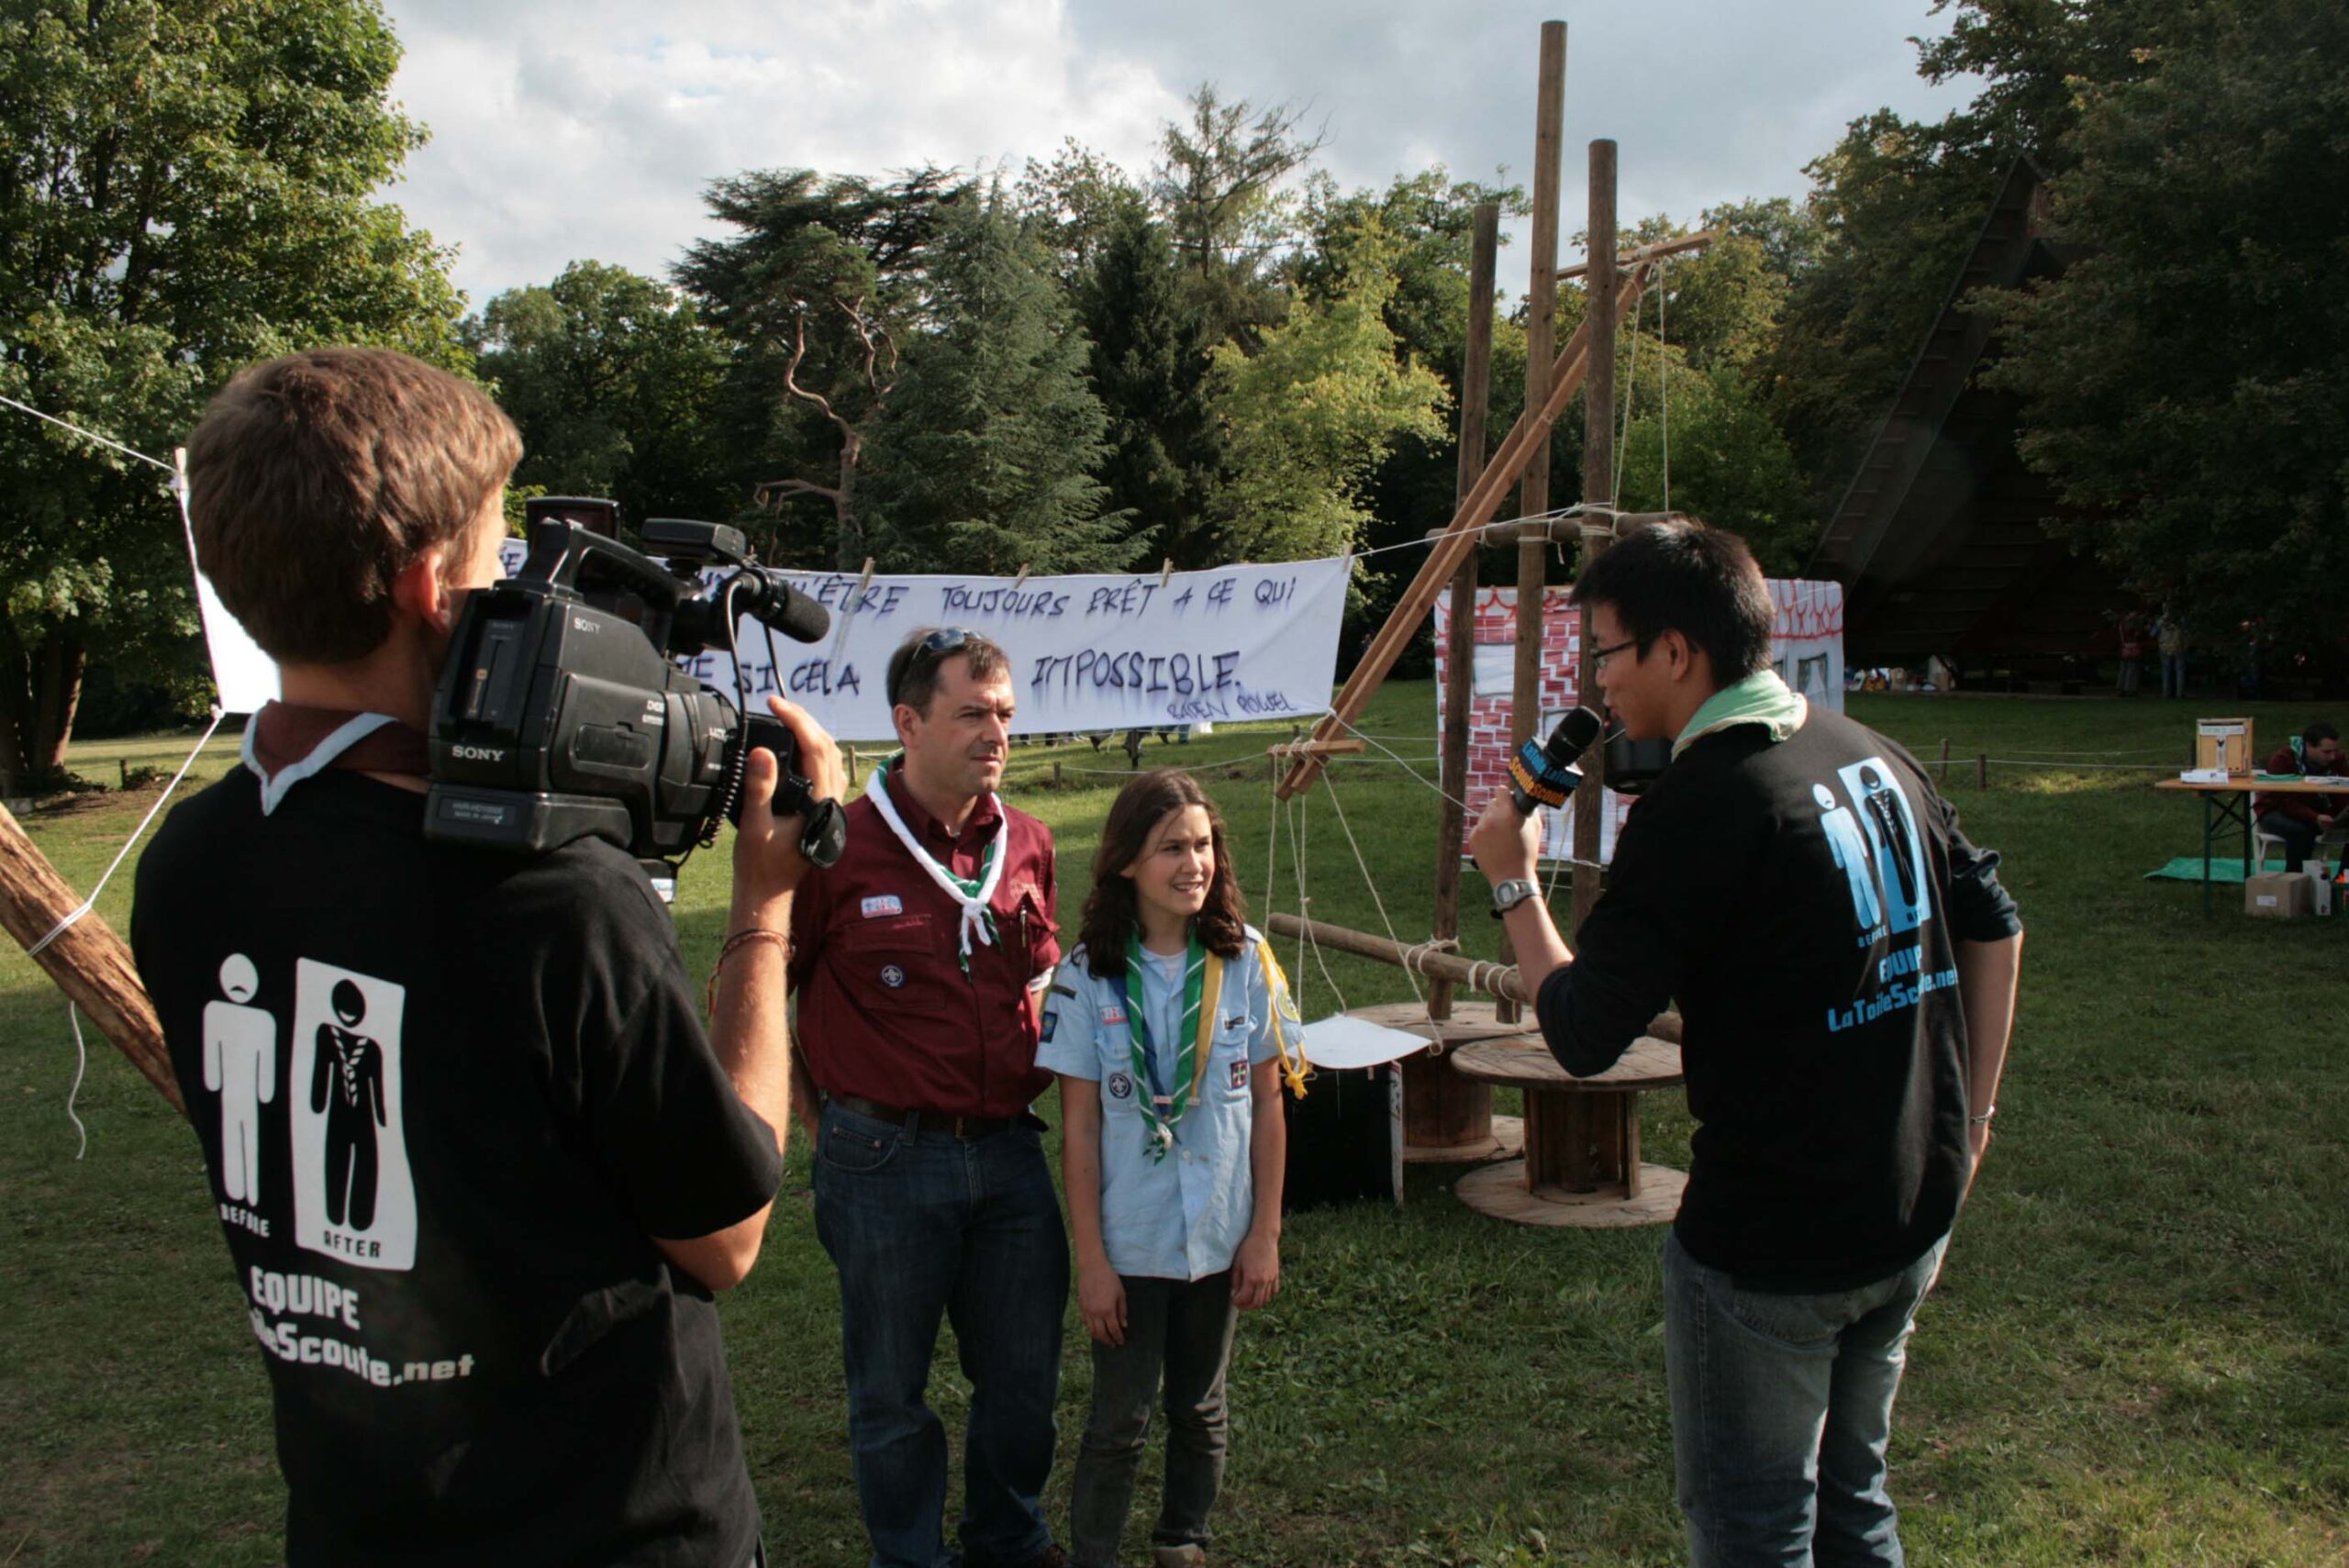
x=1523, y=1062
x=1473, y=1020
x=1470, y=1020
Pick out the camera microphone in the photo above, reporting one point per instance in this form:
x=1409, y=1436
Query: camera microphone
x=1544, y=773
x=766, y=596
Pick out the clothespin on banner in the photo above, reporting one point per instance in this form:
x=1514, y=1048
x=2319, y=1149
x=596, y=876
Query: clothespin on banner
x=839, y=626
x=1019, y=580
x=1346, y=561
x=1166, y=573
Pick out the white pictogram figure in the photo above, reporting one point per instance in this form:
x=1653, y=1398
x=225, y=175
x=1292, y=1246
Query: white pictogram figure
x=347, y=1085
x=1851, y=848
x=240, y=1066
x=1901, y=872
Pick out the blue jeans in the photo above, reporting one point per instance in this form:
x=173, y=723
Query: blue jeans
x=1781, y=1408
x=921, y=1226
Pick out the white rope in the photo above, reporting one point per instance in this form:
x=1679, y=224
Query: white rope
x=72, y=1013
x=80, y=1066
x=1298, y=804
x=1368, y=881
x=1623, y=430
x=86, y=435
x=59, y=929
x=1663, y=385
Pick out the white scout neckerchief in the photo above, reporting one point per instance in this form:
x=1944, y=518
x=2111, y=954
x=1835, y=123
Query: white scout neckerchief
x=974, y=895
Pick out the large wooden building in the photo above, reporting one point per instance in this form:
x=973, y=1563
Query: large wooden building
x=1941, y=540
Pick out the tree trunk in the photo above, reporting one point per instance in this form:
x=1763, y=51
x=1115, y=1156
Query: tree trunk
x=63, y=661
x=41, y=687
x=849, y=548
x=16, y=713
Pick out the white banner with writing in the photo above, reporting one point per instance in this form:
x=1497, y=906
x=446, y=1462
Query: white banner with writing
x=1087, y=652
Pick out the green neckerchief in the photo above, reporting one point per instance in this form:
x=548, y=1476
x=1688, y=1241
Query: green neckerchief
x=1158, y=1125
x=1760, y=698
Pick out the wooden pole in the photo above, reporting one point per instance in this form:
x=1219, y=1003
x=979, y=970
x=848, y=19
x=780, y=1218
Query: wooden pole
x=1597, y=490
x=1540, y=332
x=89, y=963
x=1982, y=769
x=1497, y=980
x=1461, y=533
x=1459, y=687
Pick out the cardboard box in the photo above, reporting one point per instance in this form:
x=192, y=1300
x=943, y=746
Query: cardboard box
x=2278, y=896
x=2223, y=743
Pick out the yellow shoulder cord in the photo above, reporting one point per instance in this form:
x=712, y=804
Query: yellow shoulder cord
x=1210, y=994
x=1276, y=995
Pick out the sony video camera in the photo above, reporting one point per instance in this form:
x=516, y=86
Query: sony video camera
x=560, y=714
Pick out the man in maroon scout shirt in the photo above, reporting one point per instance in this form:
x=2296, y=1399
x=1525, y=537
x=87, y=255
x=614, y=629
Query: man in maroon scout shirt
x=917, y=960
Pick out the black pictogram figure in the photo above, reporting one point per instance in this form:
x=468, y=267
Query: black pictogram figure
x=347, y=1084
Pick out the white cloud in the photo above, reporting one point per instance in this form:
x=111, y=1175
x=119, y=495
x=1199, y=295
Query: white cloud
x=589, y=127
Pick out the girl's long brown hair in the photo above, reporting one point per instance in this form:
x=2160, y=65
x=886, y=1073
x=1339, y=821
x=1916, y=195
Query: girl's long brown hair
x=1112, y=915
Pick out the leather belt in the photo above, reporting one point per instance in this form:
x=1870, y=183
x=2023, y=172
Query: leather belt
x=919, y=1122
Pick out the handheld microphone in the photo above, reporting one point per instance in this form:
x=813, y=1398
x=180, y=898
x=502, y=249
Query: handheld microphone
x=1544, y=773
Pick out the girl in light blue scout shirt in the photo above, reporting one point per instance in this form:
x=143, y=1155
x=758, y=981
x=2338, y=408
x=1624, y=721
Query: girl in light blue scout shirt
x=1169, y=1026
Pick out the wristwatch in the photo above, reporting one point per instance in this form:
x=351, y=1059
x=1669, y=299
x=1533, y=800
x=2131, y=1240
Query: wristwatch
x=1512, y=893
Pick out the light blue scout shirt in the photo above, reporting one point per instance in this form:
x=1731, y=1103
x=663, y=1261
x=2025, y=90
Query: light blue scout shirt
x=1183, y=1216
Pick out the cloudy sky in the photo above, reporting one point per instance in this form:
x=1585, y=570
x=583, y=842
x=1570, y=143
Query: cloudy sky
x=572, y=129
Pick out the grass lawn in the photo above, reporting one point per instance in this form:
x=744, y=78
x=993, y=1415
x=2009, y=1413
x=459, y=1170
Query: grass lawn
x=2138, y=1352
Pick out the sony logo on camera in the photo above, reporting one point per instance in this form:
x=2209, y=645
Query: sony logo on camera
x=480, y=753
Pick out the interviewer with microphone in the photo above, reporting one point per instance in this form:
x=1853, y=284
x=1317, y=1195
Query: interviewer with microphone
x=1844, y=963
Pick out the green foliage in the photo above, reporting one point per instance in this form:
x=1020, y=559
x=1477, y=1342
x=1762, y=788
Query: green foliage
x=2188, y=378
x=1729, y=465
x=983, y=456
x=823, y=280
x=1894, y=218
x=1312, y=414
x=614, y=382
x=1165, y=456
x=1075, y=206
x=1220, y=187
x=184, y=187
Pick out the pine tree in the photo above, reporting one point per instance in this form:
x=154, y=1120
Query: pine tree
x=984, y=455
x=1149, y=370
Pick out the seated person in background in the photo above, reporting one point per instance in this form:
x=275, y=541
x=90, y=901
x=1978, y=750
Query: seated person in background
x=2301, y=819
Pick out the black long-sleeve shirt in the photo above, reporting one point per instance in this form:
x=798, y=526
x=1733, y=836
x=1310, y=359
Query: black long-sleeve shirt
x=1800, y=901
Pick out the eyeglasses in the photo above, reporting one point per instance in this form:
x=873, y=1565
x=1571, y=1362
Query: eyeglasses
x=1597, y=657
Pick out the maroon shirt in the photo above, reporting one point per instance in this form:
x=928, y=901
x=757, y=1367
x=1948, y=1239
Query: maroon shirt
x=885, y=1011
x=2298, y=806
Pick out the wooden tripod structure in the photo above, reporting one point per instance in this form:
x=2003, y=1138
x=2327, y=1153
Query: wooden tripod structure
x=1448, y=1115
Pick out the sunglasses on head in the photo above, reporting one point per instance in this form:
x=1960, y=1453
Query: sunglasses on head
x=934, y=647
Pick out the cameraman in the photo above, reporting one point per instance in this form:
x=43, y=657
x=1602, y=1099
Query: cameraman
x=1844, y=963
x=478, y=1166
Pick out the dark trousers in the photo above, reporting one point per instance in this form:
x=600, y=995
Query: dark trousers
x=1180, y=1331
x=2299, y=838
x=923, y=1226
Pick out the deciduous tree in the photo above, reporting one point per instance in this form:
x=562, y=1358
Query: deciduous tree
x=184, y=187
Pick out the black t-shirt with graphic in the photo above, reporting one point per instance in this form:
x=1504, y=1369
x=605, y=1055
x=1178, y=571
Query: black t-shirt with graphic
x=446, y=1097
x=1800, y=902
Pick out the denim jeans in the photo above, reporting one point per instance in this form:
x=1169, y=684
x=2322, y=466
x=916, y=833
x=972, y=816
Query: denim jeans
x=923, y=1225
x=1183, y=1328
x=1781, y=1410
x=2173, y=675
